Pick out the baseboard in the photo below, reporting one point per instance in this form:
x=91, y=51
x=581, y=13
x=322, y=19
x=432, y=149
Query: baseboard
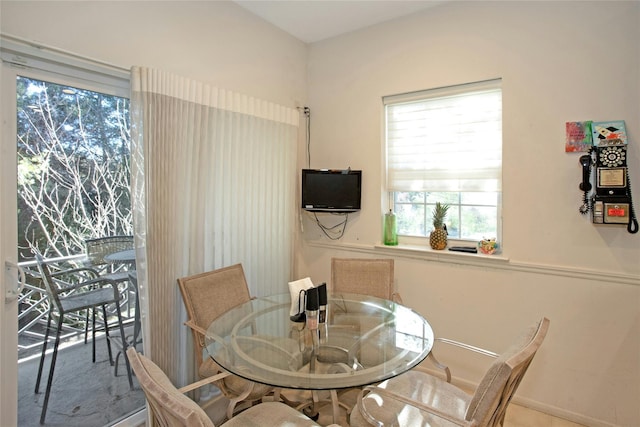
x=137, y=419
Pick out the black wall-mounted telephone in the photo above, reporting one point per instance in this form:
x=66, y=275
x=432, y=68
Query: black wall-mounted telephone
x=610, y=202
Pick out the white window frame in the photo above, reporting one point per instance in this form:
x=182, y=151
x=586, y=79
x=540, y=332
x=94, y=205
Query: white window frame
x=63, y=67
x=392, y=185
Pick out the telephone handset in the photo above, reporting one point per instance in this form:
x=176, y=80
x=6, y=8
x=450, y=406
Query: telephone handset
x=611, y=202
x=585, y=185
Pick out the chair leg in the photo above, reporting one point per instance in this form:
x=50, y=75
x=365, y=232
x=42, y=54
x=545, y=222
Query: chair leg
x=106, y=331
x=93, y=335
x=117, y=358
x=335, y=406
x=86, y=325
x=231, y=407
x=124, y=346
x=44, y=350
x=51, y=369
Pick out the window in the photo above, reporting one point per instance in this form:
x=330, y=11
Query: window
x=445, y=145
x=73, y=167
x=72, y=128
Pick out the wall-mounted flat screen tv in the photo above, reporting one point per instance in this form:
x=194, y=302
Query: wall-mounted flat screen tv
x=331, y=190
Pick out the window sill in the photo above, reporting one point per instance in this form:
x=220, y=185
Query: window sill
x=444, y=255
x=416, y=252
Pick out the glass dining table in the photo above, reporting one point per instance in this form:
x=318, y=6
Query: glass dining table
x=364, y=340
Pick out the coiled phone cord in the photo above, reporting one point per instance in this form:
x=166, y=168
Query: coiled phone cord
x=632, y=226
x=586, y=206
x=585, y=185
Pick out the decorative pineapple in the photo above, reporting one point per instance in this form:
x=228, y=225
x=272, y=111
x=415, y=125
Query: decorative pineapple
x=438, y=237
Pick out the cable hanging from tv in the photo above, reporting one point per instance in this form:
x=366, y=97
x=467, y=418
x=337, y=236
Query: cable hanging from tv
x=334, y=191
x=329, y=230
x=307, y=114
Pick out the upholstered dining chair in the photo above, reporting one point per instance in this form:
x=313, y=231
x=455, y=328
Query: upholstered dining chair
x=418, y=399
x=207, y=296
x=73, y=291
x=364, y=276
x=171, y=408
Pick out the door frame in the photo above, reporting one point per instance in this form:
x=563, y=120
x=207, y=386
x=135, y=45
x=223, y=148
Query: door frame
x=8, y=250
x=8, y=208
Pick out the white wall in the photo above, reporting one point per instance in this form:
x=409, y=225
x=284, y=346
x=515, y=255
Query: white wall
x=211, y=41
x=559, y=61
x=214, y=41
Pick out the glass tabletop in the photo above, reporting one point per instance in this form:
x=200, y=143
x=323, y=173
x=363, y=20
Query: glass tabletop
x=363, y=341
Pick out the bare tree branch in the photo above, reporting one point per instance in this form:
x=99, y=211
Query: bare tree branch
x=73, y=168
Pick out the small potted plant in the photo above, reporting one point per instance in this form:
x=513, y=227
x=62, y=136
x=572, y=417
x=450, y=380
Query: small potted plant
x=438, y=237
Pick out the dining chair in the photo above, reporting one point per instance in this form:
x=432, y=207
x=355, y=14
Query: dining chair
x=96, y=250
x=419, y=399
x=171, y=408
x=364, y=276
x=207, y=296
x=73, y=291
x=100, y=247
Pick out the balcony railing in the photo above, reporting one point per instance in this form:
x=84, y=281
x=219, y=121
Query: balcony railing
x=33, y=309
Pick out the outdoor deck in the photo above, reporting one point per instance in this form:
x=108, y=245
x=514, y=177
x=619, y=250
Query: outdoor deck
x=83, y=393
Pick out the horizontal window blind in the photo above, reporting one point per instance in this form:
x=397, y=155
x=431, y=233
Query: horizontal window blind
x=447, y=139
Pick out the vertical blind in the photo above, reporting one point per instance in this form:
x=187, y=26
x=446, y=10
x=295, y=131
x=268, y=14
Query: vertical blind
x=447, y=139
x=213, y=184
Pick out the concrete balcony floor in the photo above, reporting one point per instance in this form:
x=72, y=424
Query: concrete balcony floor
x=82, y=393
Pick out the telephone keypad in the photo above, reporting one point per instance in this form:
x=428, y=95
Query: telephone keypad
x=612, y=156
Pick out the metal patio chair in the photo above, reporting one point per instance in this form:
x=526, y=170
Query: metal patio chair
x=97, y=249
x=73, y=291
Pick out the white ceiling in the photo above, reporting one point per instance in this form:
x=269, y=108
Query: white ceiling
x=315, y=20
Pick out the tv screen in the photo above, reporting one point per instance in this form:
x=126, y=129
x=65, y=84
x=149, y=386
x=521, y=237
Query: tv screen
x=330, y=190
